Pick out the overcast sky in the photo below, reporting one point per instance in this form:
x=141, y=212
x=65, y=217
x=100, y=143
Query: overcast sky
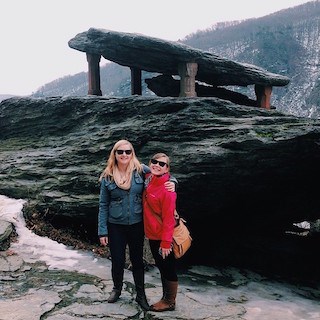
x=35, y=33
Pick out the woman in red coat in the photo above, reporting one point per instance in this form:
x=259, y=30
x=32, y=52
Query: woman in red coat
x=158, y=213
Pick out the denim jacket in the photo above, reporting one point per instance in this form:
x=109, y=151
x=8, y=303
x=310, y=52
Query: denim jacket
x=120, y=206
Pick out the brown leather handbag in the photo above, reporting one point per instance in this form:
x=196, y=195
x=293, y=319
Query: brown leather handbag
x=181, y=237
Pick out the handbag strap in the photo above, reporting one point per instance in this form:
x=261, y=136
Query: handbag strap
x=176, y=217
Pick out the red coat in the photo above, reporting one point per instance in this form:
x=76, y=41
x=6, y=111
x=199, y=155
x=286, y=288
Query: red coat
x=158, y=210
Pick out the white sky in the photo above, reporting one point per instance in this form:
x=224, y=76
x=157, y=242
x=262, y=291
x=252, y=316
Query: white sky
x=34, y=34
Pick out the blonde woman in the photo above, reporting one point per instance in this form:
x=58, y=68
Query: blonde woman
x=120, y=219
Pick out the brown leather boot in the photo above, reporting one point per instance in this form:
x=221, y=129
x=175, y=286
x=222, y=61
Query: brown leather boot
x=158, y=304
x=168, y=303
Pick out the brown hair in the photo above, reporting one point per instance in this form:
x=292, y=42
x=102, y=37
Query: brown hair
x=160, y=155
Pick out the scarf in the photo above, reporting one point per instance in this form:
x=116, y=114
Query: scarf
x=123, y=181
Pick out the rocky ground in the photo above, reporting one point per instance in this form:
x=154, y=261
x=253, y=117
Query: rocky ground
x=71, y=238
x=29, y=289
x=33, y=291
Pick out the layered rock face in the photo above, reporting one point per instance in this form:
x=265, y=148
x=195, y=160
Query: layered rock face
x=129, y=49
x=245, y=174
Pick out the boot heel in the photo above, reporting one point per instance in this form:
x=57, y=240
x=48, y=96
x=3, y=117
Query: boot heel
x=114, y=296
x=143, y=302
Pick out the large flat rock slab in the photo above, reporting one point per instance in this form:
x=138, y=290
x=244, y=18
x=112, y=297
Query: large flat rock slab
x=157, y=55
x=244, y=173
x=34, y=291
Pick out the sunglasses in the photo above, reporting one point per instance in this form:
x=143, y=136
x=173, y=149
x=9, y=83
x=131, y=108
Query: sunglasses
x=161, y=163
x=123, y=151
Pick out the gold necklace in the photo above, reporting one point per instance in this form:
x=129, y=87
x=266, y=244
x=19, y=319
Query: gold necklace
x=123, y=178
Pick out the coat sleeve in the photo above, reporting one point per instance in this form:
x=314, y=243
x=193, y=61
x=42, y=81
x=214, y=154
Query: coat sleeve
x=145, y=169
x=104, y=201
x=175, y=181
x=168, y=220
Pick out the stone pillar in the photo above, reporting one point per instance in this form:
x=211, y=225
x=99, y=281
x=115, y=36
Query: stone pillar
x=94, y=74
x=136, y=87
x=263, y=94
x=187, y=73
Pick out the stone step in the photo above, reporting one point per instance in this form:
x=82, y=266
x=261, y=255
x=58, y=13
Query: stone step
x=6, y=229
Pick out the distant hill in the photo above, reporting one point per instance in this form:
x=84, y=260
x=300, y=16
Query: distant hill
x=286, y=42
x=5, y=96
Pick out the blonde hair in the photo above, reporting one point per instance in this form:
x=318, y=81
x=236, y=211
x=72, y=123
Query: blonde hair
x=112, y=161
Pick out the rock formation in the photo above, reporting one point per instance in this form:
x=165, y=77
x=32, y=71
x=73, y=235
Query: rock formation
x=245, y=174
x=167, y=86
x=157, y=55
x=139, y=52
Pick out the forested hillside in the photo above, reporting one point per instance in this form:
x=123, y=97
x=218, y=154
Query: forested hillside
x=286, y=42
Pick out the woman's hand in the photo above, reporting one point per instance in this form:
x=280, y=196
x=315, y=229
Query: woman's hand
x=164, y=252
x=170, y=186
x=104, y=241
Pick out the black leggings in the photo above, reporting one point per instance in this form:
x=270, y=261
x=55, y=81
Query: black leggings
x=119, y=237
x=167, y=266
